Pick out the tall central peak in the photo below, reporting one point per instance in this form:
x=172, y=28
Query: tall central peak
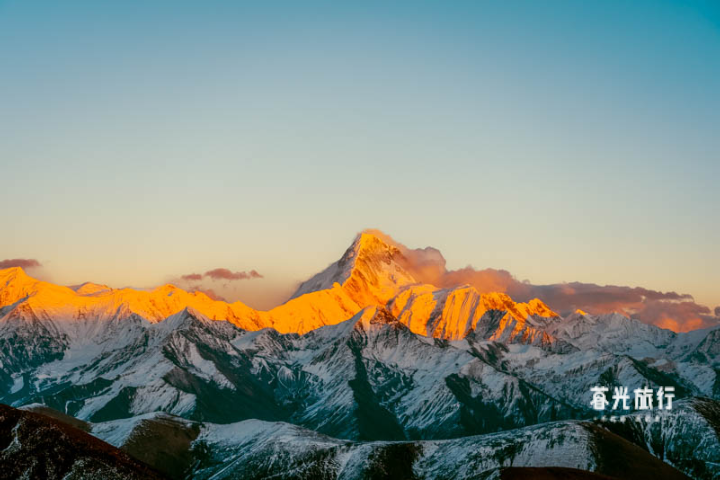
x=370, y=271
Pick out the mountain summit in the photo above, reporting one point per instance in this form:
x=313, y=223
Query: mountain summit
x=370, y=271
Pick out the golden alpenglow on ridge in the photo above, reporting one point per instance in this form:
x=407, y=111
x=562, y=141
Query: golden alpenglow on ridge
x=370, y=273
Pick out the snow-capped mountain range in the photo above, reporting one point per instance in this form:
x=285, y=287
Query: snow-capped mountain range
x=361, y=353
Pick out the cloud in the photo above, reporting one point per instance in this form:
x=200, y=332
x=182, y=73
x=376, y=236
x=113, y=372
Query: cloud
x=20, y=262
x=676, y=311
x=221, y=274
x=225, y=274
x=603, y=298
x=192, y=277
x=677, y=316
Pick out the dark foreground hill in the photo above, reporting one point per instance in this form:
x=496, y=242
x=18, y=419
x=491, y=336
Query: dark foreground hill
x=34, y=446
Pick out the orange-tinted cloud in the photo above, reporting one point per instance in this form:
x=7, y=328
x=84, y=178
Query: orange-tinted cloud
x=676, y=311
x=225, y=274
x=221, y=274
x=20, y=262
x=603, y=298
x=192, y=277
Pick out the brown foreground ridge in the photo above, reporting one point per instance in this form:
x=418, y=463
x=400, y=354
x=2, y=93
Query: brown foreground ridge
x=36, y=446
x=550, y=473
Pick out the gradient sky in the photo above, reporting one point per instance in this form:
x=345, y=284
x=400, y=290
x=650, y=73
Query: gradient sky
x=562, y=141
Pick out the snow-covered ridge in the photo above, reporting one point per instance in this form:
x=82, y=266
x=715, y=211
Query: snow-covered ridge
x=369, y=273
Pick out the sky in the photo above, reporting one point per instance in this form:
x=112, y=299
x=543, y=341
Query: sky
x=560, y=141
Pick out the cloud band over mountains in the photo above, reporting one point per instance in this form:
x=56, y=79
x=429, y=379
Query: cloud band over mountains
x=676, y=311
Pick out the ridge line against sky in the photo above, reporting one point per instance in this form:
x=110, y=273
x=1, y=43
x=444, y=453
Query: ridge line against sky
x=559, y=141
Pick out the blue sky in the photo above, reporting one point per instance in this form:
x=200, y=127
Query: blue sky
x=559, y=140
